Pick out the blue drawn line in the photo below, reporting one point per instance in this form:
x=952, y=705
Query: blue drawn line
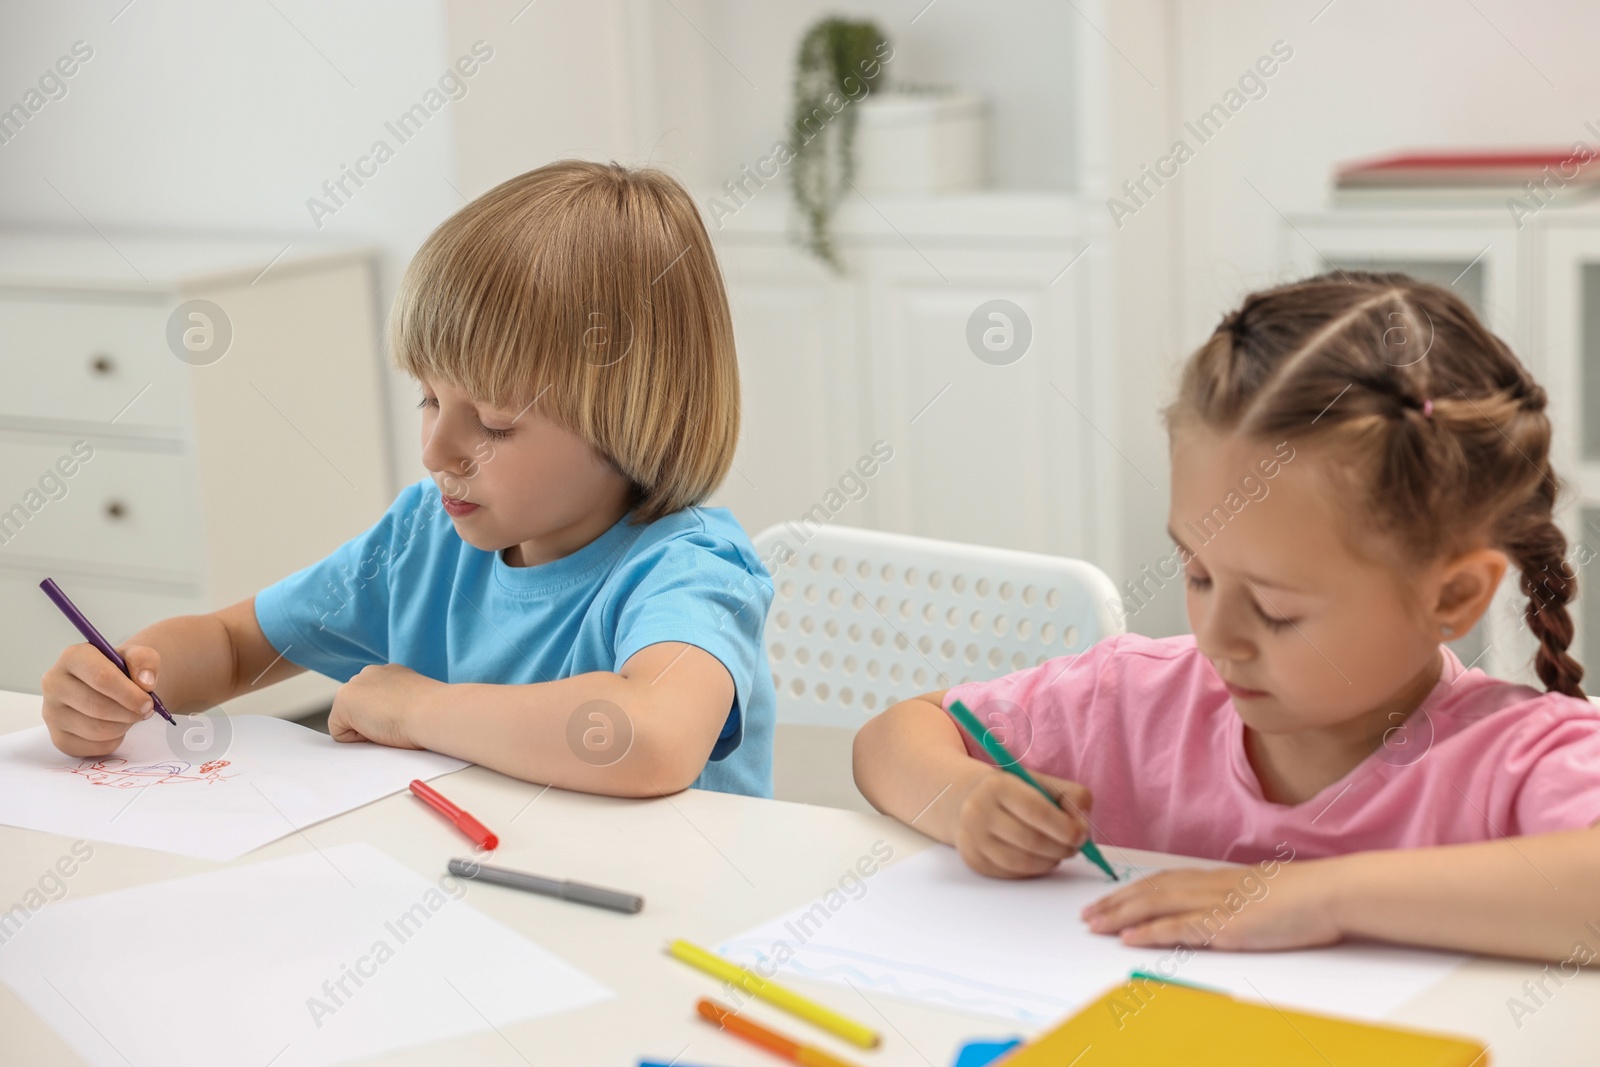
x=994, y=997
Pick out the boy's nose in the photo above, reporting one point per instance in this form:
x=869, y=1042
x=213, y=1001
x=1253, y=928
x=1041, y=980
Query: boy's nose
x=442, y=451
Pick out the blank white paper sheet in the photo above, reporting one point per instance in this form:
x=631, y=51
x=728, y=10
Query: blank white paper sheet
x=272, y=778
x=931, y=929
x=318, y=958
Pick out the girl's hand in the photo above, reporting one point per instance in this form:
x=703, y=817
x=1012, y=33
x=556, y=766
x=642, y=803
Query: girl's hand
x=89, y=705
x=1228, y=908
x=1005, y=829
x=378, y=705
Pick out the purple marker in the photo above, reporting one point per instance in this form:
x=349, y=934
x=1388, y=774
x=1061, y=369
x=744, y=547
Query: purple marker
x=91, y=635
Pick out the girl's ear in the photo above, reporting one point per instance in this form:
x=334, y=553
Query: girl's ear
x=1466, y=587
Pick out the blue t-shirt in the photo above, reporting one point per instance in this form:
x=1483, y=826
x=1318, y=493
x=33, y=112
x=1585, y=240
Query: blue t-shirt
x=410, y=591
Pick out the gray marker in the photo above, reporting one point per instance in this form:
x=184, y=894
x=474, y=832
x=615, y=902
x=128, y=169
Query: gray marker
x=577, y=892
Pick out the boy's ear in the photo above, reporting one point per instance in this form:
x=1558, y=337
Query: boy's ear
x=1466, y=587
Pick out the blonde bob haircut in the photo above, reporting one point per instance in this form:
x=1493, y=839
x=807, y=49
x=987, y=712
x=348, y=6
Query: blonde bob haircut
x=590, y=289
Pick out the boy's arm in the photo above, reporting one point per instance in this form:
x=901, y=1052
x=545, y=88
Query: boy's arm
x=645, y=730
x=209, y=659
x=910, y=763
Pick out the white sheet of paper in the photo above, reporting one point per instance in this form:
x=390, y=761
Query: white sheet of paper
x=930, y=929
x=272, y=778
x=243, y=965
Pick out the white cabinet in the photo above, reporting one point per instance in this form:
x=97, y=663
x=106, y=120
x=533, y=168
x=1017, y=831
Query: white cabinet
x=1538, y=287
x=987, y=446
x=150, y=485
x=1564, y=291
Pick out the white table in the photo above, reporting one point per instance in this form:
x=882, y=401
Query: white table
x=709, y=865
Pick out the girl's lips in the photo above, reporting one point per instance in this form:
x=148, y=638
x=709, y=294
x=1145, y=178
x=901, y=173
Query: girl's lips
x=458, y=508
x=1241, y=693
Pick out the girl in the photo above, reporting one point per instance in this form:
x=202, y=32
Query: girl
x=1313, y=724
x=550, y=602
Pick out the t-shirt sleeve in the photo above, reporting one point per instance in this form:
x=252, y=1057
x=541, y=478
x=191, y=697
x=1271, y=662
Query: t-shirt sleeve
x=333, y=616
x=1559, y=757
x=700, y=591
x=1038, y=713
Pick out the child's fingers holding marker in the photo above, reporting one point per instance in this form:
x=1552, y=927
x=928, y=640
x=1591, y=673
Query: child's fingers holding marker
x=100, y=734
x=1006, y=829
x=1062, y=826
x=123, y=699
x=88, y=705
x=84, y=680
x=144, y=664
x=1071, y=796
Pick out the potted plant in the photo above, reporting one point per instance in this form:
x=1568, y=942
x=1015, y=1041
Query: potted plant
x=840, y=62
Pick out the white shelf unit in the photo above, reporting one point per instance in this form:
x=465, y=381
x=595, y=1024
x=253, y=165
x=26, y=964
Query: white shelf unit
x=1015, y=456
x=205, y=482
x=1538, y=287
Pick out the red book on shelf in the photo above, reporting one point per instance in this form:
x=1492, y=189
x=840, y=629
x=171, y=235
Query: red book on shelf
x=1533, y=176
x=1476, y=168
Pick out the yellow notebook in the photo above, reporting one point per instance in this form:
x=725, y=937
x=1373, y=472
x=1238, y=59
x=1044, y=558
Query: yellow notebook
x=1158, y=1023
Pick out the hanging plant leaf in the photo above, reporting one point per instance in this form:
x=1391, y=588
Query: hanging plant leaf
x=840, y=62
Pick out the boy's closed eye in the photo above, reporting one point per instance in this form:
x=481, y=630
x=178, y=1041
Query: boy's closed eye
x=488, y=431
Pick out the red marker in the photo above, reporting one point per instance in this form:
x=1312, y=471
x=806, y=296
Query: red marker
x=474, y=829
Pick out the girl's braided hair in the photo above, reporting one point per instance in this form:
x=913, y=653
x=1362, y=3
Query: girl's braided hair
x=1438, y=425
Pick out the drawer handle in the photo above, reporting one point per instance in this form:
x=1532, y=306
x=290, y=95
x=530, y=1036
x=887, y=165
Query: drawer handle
x=116, y=510
x=101, y=364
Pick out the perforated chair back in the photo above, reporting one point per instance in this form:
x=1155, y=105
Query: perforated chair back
x=863, y=619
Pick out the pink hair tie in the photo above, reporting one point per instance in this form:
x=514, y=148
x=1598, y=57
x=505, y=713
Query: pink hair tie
x=1427, y=409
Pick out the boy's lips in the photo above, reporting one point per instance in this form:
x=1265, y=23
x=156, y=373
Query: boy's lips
x=457, y=507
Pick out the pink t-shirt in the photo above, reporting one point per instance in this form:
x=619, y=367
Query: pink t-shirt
x=1147, y=725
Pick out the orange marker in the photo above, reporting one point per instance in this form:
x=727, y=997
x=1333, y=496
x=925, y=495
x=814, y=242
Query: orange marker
x=474, y=829
x=772, y=1041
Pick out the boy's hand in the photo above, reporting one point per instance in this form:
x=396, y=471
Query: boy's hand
x=1228, y=908
x=1005, y=829
x=89, y=704
x=377, y=705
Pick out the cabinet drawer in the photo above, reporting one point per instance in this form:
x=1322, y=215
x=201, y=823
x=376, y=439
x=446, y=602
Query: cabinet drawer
x=33, y=631
x=69, y=358
x=126, y=511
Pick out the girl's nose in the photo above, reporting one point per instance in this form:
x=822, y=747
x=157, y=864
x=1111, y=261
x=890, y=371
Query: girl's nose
x=1220, y=634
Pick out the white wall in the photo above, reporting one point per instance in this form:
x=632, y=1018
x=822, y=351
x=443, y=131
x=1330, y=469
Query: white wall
x=200, y=117
x=725, y=71
x=1368, y=77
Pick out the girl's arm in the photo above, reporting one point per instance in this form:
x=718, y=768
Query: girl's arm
x=1524, y=896
x=1519, y=896
x=646, y=730
x=910, y=762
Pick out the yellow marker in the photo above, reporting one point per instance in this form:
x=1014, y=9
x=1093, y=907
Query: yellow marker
x=793, y=1003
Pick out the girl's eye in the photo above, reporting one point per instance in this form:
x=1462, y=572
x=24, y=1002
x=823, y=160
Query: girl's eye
x=428, y=400
x=1273, y=622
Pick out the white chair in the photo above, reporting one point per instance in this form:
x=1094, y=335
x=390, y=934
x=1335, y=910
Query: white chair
x=863, y=619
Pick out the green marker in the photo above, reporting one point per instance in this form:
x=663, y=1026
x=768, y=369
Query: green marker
x=969, y=722
x=1150, y=976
